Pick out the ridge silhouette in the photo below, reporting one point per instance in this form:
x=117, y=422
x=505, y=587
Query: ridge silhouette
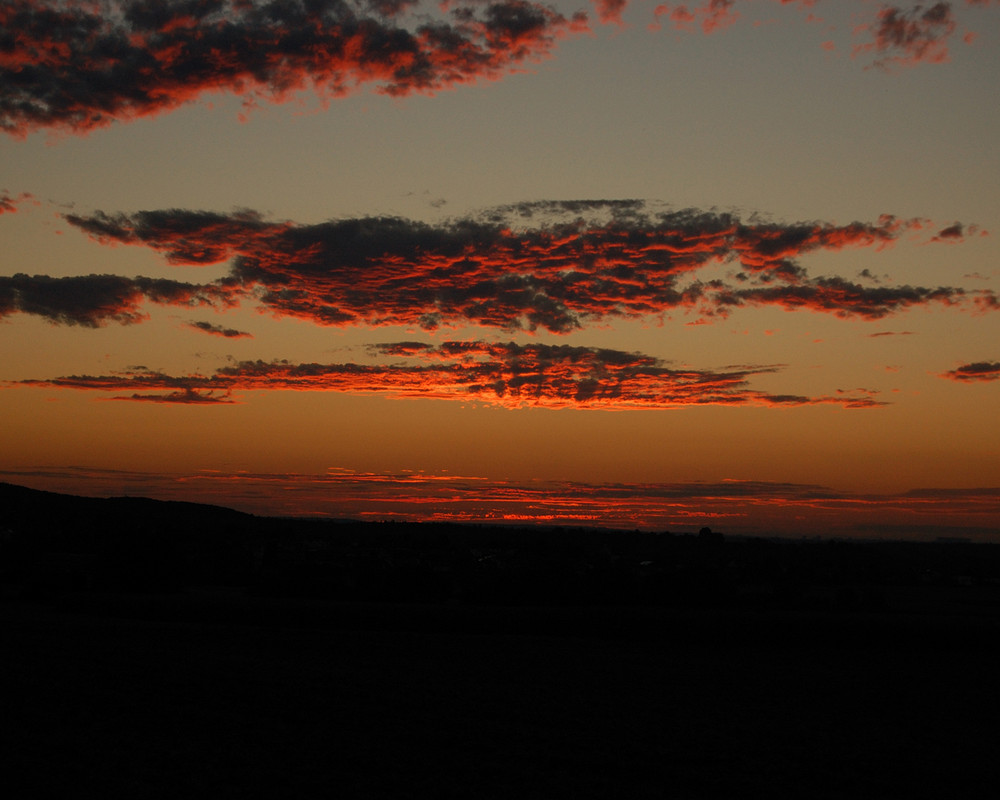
x=160, y=650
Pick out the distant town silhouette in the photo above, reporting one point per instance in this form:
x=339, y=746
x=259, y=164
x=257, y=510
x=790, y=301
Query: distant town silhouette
x=54, y=543
x=164, y=649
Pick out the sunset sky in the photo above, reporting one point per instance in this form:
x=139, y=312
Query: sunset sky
x=731, y=263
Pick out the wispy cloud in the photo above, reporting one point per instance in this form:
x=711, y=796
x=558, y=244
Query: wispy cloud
x=906, y=37
x=94, y=300
x=975, y=372
x=219, y=330
x=896, y=36
x=504, y=374
x=76, y=65
x=957, y=232
x=182, y=397
x=609, y=12
x=741, y=506
x=709, y=16
x=9, y=203
x=552, y=265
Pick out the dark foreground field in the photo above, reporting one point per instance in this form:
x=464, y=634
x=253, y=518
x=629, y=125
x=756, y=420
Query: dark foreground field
x=123, y=698
x=157, y=650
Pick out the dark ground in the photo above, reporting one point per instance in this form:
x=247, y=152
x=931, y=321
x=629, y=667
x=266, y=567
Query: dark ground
x=700, y=705
x=393, y=663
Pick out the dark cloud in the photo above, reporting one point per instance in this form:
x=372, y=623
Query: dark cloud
x=906, y=37
x=987, y=301
x=183, y=397
x=390, y=8
x=839, y=297
x=551, y=265
x=978, y=371
x=9, y=204
x=504, y=374
x=743, y=506
x=709, y=15
x=609, y=12
x=75, y=66
x=219, y=330
x=186, y=237
x=957, y=232
x=897, y=36
x=982, y=492
x=94, y=300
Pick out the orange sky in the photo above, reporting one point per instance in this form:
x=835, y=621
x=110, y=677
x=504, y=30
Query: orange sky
x=631, y=264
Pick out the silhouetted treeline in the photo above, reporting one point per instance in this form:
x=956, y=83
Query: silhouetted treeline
x=52, y=544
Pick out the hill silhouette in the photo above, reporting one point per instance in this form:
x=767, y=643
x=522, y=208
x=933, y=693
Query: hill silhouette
x=56, y=544
x=119, y=542
x=159, y=650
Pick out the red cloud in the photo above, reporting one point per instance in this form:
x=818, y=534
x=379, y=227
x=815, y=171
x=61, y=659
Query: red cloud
x=554, y=265
x=75, y=65
x=94, y=300
x=509, y=375
x=182, y=397
x=219, y=330
x=744, y=506
x=839, y=297
x=906, y=38
x=900, y=37
x=957, y=232
x=609, y=12
x=8, y=204
x=978, y=371
x=711, y=16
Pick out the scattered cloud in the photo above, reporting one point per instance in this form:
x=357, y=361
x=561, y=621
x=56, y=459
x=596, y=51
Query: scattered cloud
x=978, y=371
x=554, y=265
x=219, y=330
x=957, y=232
x=182, y=397
x=709, y=16
x=94, y=300
x=9, y=203
x=733, y=506
x=895, y=37
x=838, y=296
x=77, y=65
x=609, y=12
x=504, y=374
x=73, y=66
x=906, y=37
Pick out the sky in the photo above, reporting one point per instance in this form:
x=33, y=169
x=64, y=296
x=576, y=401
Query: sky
x=732, y=263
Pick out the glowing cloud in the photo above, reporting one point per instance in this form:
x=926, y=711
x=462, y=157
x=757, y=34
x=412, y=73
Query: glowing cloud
x=182, y=397
x=609, y=12
x=899, y=37
x=219, y=330
x=552, y=265
x=904, y=38
x=509, y=375
x=739, y=506
x=77, y=65
x=94, y=300
x=971, y=373
x=710, y=16
x=9, y=204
